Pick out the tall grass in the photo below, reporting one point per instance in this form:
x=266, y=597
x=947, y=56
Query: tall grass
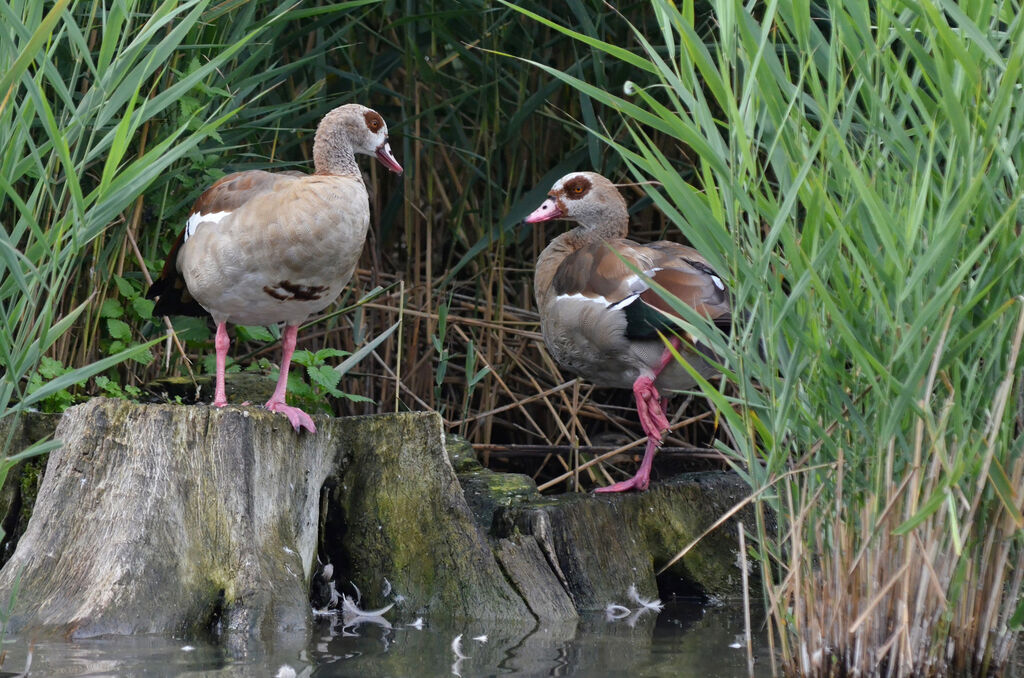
x=98, y=101
x=857, y=173
x=482, y=139
x=74, y=115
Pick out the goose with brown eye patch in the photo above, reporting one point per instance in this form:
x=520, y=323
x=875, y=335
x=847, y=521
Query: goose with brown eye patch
x=603, y=321
x=262, y=248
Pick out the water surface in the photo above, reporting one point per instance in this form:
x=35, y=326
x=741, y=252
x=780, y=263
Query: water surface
x=688, y=638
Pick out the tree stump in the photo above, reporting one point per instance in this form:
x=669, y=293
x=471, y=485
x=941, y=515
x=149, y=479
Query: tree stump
x=177, y=520
x=186, y=520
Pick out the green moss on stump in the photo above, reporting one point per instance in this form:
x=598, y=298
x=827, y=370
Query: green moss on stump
x=486, y=492
x=602, y=544
x=407, y=521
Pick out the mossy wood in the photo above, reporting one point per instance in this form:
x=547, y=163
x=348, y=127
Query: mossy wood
x=171, y=519
x=183, y=520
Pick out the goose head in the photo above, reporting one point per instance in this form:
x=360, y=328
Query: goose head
x=347, y=130
x=588, y=199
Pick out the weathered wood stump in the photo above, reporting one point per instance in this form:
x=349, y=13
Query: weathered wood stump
x=637, y=534
x=402, y=524
x=596, y=546
x=169, y=519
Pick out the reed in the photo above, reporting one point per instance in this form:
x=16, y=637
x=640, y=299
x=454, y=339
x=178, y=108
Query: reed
x=856, y=174
x=482, y=139
x=89, y=121
x=852, y=169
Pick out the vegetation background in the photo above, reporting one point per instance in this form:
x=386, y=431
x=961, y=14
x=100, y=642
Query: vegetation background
x=852, y=168
x=241, y=85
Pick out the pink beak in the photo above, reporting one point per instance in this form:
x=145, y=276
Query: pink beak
x=387, y=158
x=548, y=210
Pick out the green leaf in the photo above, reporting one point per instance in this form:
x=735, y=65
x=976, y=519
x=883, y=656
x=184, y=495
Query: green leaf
x=119, y=329
x=355, y=397
x=299, y=389
x=49, y=368
x=125, y=288
x=1007, y=492
x=475, y=379
x=365, y=350
x=143, y=307
x=1017, y=620
x=192, y=329
x=144, y=357
x=82, y=374
x=614, y=50
x=303, y=357
x=29, y=51
x=254, y=333
x=108, y=386
x=111, y=308
x=325, y=377
x=34, y=450
x=323, y=354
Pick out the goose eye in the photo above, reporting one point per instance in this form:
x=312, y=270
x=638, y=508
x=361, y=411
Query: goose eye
x=576, y=188
x=373, y=122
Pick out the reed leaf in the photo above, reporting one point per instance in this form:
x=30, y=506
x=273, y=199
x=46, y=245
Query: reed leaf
x=840, y=168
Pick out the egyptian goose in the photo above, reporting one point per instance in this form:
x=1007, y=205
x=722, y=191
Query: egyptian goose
x=602, y=321
x=261, y=248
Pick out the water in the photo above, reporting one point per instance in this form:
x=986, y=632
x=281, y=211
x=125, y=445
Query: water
x=688, y=638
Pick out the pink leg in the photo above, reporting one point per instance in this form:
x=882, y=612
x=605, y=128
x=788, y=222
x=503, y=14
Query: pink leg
x=643, y=475
x=666, y=356
x=648, y=407
x=221, y=343
x=296, y=417
x=653, y=421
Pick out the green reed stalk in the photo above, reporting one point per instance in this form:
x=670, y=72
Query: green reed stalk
x=856, y=174
x=91, y=115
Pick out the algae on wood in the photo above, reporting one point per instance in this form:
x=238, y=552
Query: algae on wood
x=183, y=519
x=599, y=545
x=172, y=519
x=406, y=521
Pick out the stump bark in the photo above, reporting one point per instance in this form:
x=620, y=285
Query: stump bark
x=188, y=520
x=179, y=520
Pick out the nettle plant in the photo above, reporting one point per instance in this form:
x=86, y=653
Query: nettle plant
x=323, y=379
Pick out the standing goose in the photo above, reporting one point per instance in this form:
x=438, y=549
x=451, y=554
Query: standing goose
x=601, y=320
x=261, y=248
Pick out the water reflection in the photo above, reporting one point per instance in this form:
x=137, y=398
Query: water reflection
x=688, y=637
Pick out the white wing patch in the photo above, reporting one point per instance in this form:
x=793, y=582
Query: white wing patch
x=637, y=285
x=582, y=297
x=603, y=301
x=625, y=302
x=196, y=218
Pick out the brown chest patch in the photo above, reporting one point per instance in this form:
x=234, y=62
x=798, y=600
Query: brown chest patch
x=288, y=291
